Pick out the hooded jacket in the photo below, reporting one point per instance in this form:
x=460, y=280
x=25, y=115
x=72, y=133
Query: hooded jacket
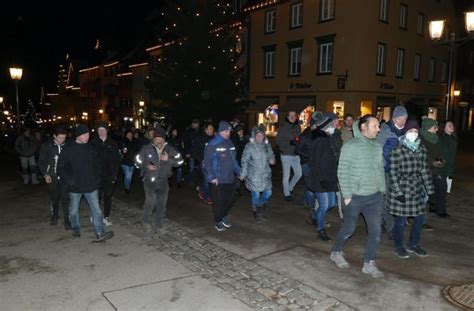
x=388, y=139
x=26, y=146
x=49, y=157
x=256, y=168
x=109, y=157
x=360, y=170
x=323, y=163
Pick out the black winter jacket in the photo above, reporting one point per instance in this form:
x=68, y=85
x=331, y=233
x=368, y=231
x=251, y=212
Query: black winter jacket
x=323, y=163
x=128, y=158
x=303, y=148
x=48, y=158
x=109, y=157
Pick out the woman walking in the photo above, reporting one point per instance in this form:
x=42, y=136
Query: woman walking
x=410, y=185
x=256, y=171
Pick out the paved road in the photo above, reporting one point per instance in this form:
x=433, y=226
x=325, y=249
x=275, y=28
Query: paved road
x=279, y=264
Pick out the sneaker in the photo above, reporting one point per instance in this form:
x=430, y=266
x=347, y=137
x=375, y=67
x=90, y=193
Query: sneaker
x=146, y=229
x=417, y=250
x=257, y=217
x=201, y=196
x=104, y=236
x=76, y=233
x=288, y=198
x=220, y=227
x=54, y=220
x=402, y=253
x=209, y=201
x=262, y=215
x=427, y=227
x=107, y=222
x=323, y=236
x=339, y=260
x=371, y=268
x=226, y=222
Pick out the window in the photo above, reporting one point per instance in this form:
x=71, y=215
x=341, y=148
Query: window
x=420, y=24
x=417, y=67
x=403, y=16
x=270, y=21
x=444, y=67
x=400, y=63
x=432, y=72
x=383, y=14
x=296, y=17
x=381, y=58
x=295, y=51
x=326, y=9
x=269, y=61
x=325, y=54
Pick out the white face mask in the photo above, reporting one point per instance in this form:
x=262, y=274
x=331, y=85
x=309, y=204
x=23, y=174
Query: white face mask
x=412, y=136
x=331, y=130
x=400, y=128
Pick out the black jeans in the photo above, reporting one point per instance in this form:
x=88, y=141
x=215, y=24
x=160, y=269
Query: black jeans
x=223, y=196
x=440, y=193
x=58, y=195
x=106, y=191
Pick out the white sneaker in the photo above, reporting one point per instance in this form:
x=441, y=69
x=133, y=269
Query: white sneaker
x=371, y=268
x=339, y=260
x=107, y=222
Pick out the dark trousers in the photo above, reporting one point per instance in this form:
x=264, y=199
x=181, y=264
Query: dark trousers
x=371, y=208
x=415, y=233
x=223, y=196
x=156, y=198
x=58, y=195
x=106, y=191
x=440, y=194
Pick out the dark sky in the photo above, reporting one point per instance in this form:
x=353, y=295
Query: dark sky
x=37, y=35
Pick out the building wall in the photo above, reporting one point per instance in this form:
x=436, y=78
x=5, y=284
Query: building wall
x=357, y=31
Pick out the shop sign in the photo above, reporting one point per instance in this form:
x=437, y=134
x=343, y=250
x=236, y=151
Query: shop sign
x=386, y=86
x=300, y=85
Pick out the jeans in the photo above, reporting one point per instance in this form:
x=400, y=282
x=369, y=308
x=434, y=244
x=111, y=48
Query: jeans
x=260, y=198
x=204, y=187
x=289, y=162
x=179, y=174
x=191, y=166
x=440, y=186
x=106, y=191
x=387, y=219
x=309, y=196
x=58, y=195
x=93, y=202
x=127, y=175
x=370, y=207
x=326, y=200
x=223, y=196
x=415, y=233
x=156, y=199
x=31, y=163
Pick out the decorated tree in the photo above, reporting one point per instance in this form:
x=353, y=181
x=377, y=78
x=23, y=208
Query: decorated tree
x=197, y=72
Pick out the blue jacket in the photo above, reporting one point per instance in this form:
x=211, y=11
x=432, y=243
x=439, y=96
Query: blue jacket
x=220, y=160
x=388, y=138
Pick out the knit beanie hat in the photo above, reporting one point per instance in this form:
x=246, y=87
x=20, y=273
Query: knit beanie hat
x=315, y=118
x=428, y=123
x=324, y=123
x=159, y=132
x=103, y=125
x=331, y=115
x=411, y=124
x=81, y=129
x=224, y=126
x=399, y=111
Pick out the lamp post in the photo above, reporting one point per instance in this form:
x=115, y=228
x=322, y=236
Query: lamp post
x=141, y=104
x=436, y=28
x=16, y=74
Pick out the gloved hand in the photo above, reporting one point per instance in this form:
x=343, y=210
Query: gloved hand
x=401, y=198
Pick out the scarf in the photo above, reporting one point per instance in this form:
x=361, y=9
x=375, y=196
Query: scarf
x=430, y=137
x=413, y=146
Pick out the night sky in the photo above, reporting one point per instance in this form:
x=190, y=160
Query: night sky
x=37, y=36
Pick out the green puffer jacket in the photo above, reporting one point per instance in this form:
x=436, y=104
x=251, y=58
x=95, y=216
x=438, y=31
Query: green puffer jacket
x=360, y=170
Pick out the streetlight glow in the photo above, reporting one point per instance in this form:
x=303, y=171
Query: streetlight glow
x=457, y=93
x=469, y=19
x=16, y=73
x=436, y=29
x=141, y=103
x=101, y=111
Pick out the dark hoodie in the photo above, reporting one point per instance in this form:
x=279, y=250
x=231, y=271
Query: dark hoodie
x=323, y=163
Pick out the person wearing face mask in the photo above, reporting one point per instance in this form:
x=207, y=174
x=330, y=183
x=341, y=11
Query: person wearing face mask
x=409, y=188
x=323, y=172
x=389, y=138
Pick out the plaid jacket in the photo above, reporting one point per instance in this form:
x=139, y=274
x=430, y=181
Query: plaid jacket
x=409, y=177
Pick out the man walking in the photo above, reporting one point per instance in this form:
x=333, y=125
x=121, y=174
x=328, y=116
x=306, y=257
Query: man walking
x=48, y=164
x=79, y=168
x=286, y=140
x=190, y=139
x=110, y=159
x=157, y=160
x=221, y=167
x=362, y=183
x=26, y=146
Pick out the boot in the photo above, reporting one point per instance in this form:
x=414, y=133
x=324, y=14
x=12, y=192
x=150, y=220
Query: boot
x=26, y=179
x=54, y=220
x=256, y=215
x=34, y=180
x=323, y=236
x=262, y=212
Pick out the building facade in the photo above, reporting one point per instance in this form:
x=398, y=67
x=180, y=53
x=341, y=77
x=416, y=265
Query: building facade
x=354, y=57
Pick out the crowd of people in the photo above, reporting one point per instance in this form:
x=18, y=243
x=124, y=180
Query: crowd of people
x=393, y=174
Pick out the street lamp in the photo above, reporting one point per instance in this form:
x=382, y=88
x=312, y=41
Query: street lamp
x=436, y=28
x=1, y=101
x=456, y=93
x=16, y=74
